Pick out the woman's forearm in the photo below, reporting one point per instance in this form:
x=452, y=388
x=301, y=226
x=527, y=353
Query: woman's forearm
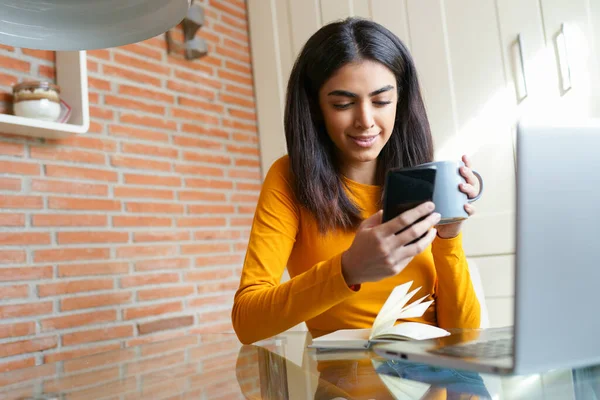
x=456, y=302
x=263, y=310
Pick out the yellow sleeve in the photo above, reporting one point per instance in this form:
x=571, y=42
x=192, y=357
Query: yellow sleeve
x=262, y=306
x=456, y=303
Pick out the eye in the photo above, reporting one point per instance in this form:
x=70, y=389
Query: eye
x=342, y=106
x=382, y=103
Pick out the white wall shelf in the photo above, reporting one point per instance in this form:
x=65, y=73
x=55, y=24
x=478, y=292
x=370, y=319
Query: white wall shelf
x=71, y=76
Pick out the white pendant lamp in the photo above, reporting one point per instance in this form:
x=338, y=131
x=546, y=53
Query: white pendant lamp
x=86, y=24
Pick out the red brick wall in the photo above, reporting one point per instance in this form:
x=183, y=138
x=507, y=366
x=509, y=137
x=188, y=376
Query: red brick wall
x=135, y=231
x=215, y=367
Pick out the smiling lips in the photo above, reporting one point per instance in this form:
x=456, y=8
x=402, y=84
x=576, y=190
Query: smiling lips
x=364, y=141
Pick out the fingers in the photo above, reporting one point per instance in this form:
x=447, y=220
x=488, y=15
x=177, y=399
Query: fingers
x=471, y=187
x=470, y=209
x=466, y=160
x=372, y=221
x=469, y=176
x=469, y=190
x=416, y=231
x=418, y=247
x=405, y=219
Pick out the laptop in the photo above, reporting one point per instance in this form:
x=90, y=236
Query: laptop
x=557, y=275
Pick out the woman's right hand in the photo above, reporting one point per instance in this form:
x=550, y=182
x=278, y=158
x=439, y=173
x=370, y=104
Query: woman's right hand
x=377, y=252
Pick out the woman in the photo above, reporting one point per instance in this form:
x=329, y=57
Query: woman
x=353, y=111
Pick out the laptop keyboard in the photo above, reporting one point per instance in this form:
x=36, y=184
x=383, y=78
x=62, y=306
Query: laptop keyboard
x=491, y=349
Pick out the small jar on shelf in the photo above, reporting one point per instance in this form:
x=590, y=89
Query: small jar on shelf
x=37, y=99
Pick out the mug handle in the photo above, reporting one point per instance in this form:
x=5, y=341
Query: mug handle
x=480, y=187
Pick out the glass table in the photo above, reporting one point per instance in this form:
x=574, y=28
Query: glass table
x=217, y=366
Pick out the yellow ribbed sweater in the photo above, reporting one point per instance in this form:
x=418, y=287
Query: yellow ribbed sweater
x=284, y=234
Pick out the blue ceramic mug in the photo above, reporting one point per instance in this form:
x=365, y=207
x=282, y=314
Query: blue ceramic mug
x=448, y=199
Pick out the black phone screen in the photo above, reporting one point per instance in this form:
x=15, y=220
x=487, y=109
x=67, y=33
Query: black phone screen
x=405, y=189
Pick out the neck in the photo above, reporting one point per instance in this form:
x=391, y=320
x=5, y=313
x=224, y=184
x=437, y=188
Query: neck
x=362, y=172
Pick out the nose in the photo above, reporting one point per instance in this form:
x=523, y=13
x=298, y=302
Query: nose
x=364, y=117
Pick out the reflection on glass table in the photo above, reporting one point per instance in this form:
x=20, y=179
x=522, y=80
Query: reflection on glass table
x=217, y=366
x=355, y=375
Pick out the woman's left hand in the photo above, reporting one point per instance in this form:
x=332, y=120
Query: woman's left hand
x=471, y=188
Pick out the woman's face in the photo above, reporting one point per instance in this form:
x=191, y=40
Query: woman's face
x=359, y=107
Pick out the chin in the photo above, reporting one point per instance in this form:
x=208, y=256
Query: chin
x=367, y=155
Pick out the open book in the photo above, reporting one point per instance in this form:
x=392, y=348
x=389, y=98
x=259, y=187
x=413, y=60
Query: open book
x=384, y=328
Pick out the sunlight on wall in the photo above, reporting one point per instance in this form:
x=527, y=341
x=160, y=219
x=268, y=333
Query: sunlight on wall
x=547, y=72
x=489, y=127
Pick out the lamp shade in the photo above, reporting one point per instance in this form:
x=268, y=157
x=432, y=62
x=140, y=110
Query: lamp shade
x=86, y=24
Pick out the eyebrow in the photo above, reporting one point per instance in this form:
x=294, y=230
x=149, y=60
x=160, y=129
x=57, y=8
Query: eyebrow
x=346, y=93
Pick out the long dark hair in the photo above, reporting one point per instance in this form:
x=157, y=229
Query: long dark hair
x=316, y=180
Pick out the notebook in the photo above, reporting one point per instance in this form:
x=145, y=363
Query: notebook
x=384, y=328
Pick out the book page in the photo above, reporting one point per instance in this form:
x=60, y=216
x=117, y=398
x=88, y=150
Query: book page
x=398, y=311
x=343, y=339
x=401, y=389
x=412, y=331
x=415, y=310
x=394, y=307
x=393, y=299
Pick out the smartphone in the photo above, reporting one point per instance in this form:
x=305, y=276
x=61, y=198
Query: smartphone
x=405, y=189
